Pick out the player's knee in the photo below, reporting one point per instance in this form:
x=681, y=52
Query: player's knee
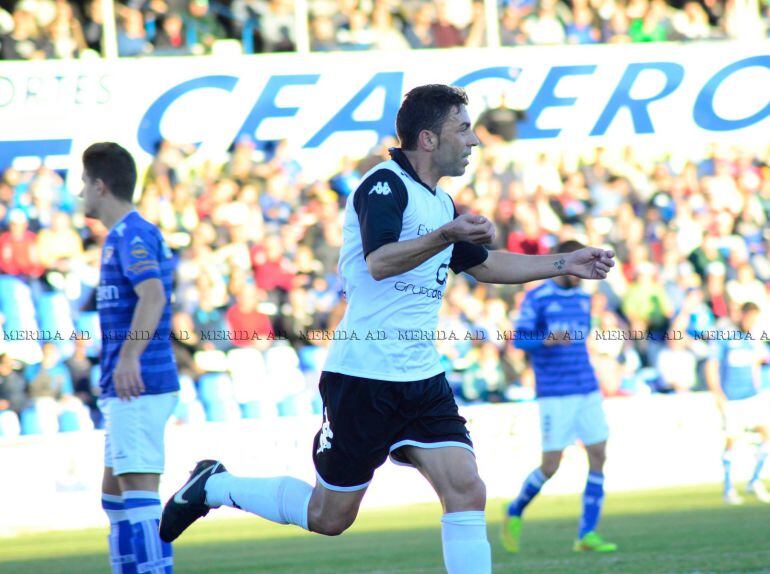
x=330, y=525
x=596, y=459
x=467, y=493
x=550, y=466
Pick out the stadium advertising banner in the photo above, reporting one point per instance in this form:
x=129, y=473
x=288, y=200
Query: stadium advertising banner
x=680, y=433
x=327, y=106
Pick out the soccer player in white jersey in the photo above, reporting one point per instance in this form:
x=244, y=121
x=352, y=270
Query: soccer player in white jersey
x=139, y=380
x=391, y=398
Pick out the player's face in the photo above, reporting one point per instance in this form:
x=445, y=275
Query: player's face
x=748, y=320
x=90, y=195
x=455, y=143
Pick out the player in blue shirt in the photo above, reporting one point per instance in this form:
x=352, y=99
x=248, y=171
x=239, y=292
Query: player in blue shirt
x=553, y=324
x=733, y=375
x=139, y=381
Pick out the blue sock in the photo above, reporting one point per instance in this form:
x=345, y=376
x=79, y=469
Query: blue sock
x=761, y=457
x=592, y=503
x=727, y=460
x=119, y=540
x=153, y=556
x=529, y=490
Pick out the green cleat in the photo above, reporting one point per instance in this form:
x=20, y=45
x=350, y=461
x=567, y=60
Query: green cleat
x=511, y=532
x=592, y=542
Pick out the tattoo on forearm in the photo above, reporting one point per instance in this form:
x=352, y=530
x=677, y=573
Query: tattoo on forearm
x=559, y=264
x=445, y=236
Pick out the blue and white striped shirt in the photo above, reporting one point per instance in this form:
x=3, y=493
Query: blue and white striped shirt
x=560, y=370
x=134, y=251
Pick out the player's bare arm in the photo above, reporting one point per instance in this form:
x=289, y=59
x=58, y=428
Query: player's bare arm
x=504, y=267
x=402, y=256
x=149, y=310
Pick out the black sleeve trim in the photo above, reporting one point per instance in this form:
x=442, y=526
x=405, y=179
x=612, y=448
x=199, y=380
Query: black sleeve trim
x=466, y=255
x=380, y=202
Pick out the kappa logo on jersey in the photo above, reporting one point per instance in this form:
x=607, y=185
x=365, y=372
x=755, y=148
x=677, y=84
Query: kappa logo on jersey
x=108, y=251
x=380, y=188
x=325, y=440
x=553, y=307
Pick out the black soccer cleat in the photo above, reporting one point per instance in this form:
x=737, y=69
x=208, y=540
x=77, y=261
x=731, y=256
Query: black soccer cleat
x=189, y=502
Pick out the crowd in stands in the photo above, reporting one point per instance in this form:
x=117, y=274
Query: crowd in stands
x=257, y=289
x=38, y=29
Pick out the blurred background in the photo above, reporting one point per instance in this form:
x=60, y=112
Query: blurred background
x=657, y=151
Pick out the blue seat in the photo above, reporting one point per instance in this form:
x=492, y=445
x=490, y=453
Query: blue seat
x=310, y=358
x=69, y=421
x=288, y=407
x=214, y=387
x=222, y=411
x=318, y=405
x=30, y=421
x=88, y=322
x=251, y=410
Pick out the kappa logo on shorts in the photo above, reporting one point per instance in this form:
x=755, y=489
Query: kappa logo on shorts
x=324, y=441
x=380, y=188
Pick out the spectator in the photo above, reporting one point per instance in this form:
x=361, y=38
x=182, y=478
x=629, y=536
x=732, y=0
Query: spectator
x=247, y=323
x=172, y=37
x=323, y=37
x=12, y=386
x=420, y=32
x=18, y=248
x=649, y=28
x=692, y=22
x=358, y=35
x=202, y=26
x=132, y=36
x=545, y=27
x=25, y=42
x=387, y=34
x=50, y=379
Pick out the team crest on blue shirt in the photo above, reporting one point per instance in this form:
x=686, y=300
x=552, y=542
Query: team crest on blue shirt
x=139, y=249
x=107, y=253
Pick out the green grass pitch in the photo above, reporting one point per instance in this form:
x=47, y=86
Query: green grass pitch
x=683, y=530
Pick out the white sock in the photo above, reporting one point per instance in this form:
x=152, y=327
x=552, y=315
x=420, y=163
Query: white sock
x=281, y=499
x=466, y=549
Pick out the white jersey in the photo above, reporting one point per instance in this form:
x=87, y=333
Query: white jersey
x=389, y=325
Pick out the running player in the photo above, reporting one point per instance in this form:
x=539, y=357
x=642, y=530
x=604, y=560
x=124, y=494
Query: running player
x=568, y=397
x=401, y=236
x=733, y=375
x=139, y=379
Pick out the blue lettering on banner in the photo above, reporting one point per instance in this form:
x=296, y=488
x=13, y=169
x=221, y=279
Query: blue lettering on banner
x=149, y=136
x=621, y=98
x=510, y=74
x=703, y=111
x=343, y=121
x=10, y=150
x=546, y=98
x=266, y=106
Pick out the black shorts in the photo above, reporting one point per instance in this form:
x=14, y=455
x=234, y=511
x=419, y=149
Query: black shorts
x=366, y=419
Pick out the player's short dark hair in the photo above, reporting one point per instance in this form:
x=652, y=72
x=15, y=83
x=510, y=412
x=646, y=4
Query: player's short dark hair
x=114, y=166
x=569, y=246
x=426, y=108
x=749, y=307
